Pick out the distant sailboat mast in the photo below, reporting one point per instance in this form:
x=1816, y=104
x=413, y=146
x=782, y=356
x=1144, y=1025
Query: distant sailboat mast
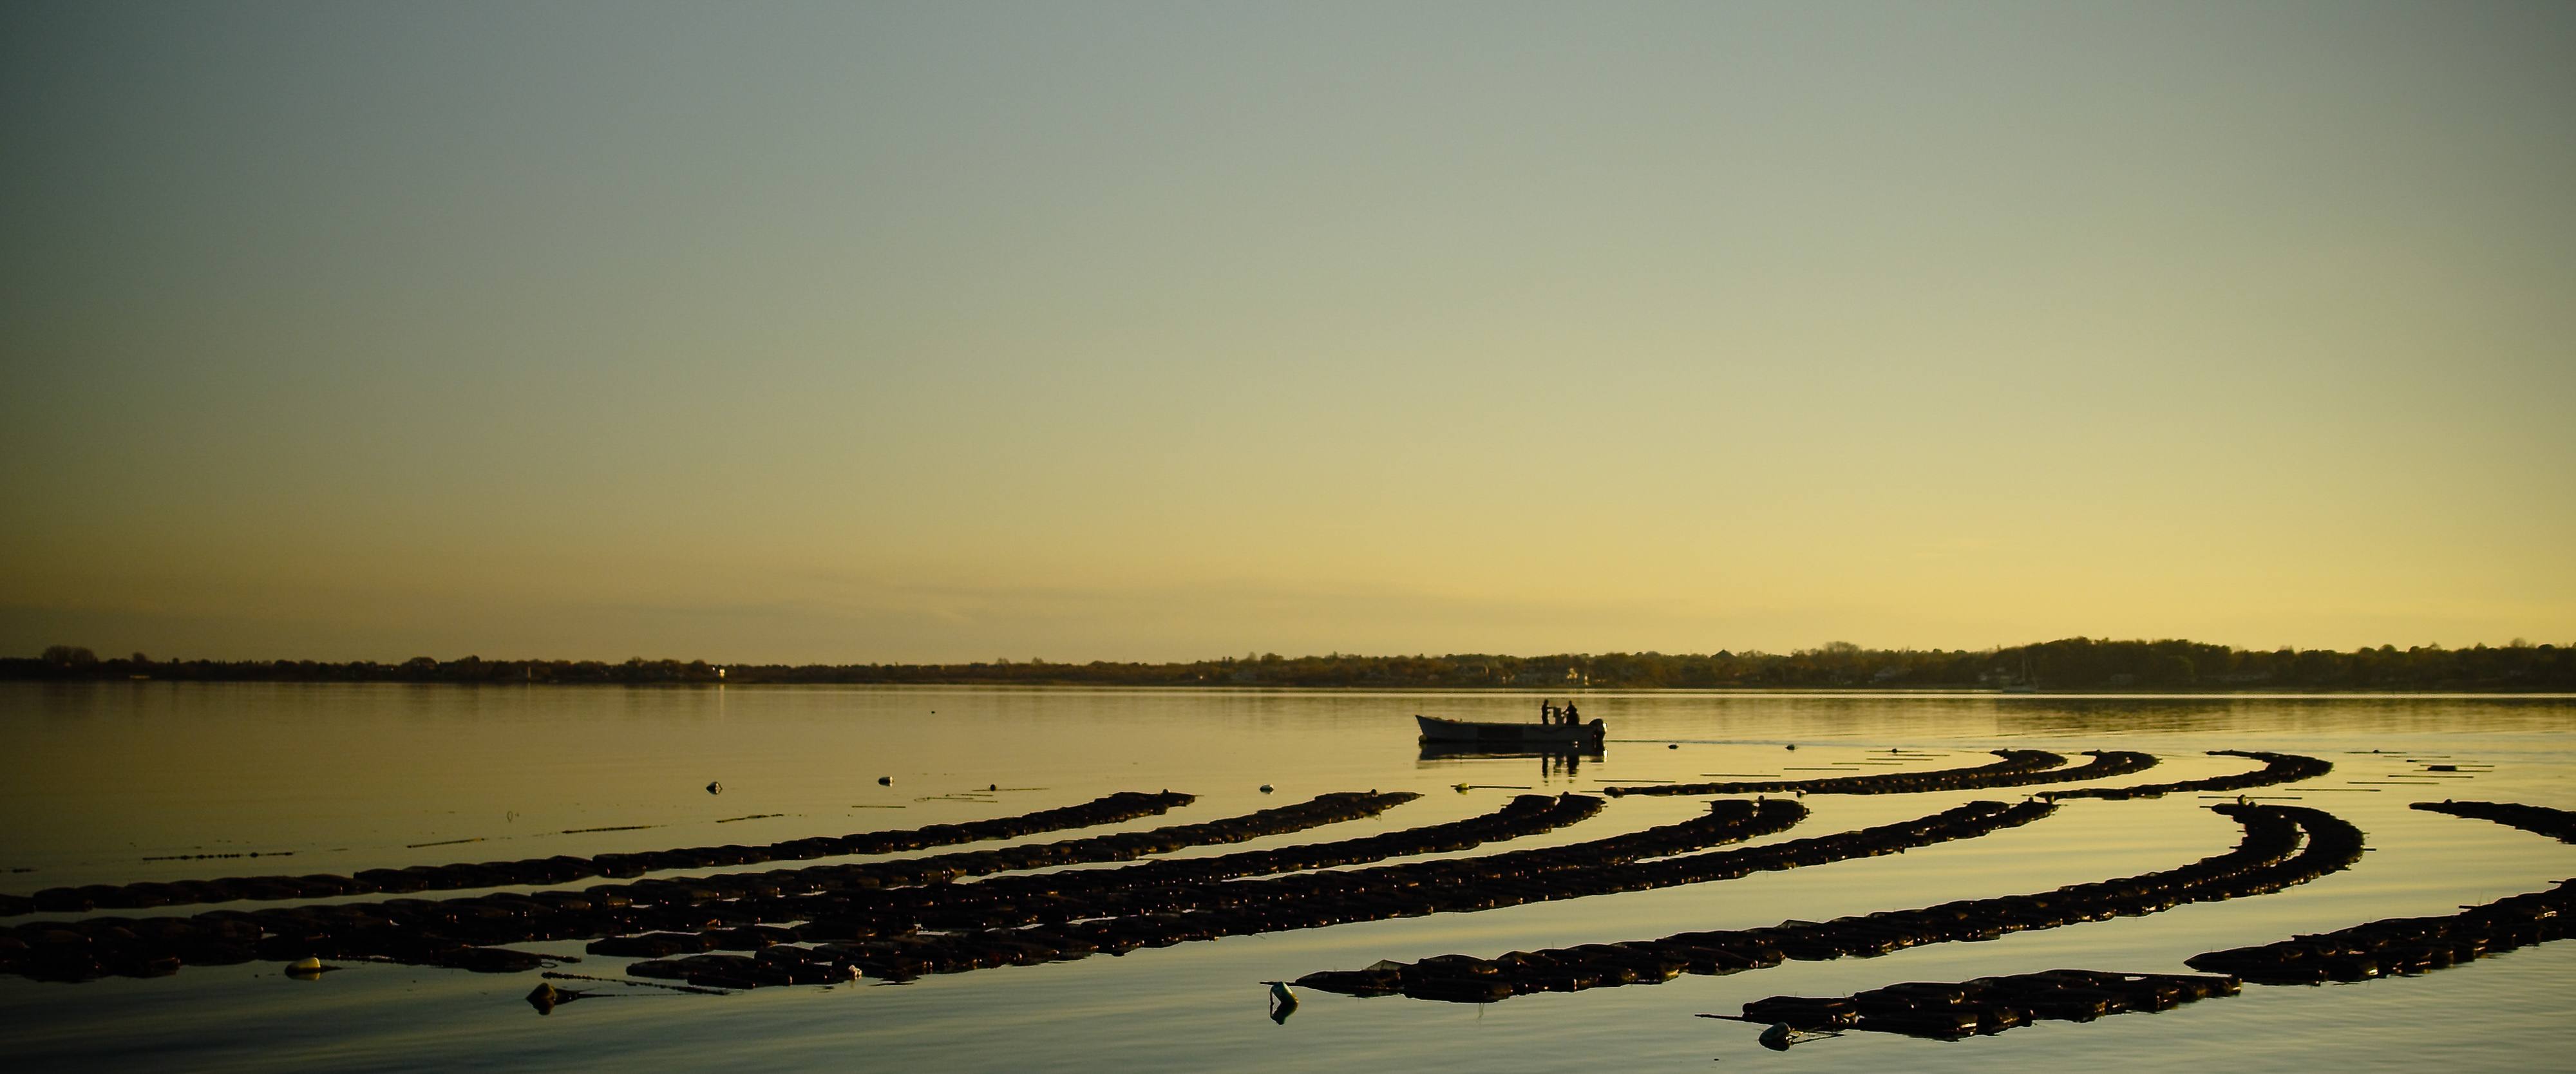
x=2027, y=683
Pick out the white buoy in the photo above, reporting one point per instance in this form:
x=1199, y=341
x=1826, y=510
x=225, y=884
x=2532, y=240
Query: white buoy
x=1282, y=1001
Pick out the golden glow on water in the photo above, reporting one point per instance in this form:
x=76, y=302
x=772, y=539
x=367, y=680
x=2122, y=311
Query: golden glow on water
x=348, y=777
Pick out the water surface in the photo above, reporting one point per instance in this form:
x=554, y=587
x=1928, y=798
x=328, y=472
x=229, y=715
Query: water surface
x=117, y=782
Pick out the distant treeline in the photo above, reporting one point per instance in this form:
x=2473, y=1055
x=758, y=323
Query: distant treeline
x=2069, y=664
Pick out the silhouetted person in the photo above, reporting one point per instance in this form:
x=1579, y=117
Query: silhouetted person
x=1571, y=718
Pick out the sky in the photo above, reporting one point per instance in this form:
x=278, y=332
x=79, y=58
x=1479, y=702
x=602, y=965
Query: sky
x=1145, y=331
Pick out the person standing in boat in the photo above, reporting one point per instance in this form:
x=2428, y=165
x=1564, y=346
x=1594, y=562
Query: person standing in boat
x=1571, y=717
x=1546, y=711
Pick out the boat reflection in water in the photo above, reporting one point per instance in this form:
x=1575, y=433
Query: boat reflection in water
x=1554, y=758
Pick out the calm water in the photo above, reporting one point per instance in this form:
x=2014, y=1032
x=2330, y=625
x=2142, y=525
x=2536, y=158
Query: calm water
x=105, y=776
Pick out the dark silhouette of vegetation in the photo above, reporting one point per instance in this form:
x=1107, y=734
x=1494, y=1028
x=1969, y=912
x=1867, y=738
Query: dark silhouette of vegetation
x=2071, y=664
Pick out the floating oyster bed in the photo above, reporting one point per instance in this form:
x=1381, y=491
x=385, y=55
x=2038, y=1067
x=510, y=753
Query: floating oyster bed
x=1159, y=885
x=2018, y=768
x=1124, y=912
x=1985, y=1005
x=2267, y=858
x=564, y=869
x=459, y=932
x=1323, y=899
x=1095, y=893
x=2416, y=944
x=2401, y=945
x=897, y=919
x=2558, y=824
x=2277, y=768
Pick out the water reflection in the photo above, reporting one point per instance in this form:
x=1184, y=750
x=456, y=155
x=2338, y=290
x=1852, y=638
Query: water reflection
x=1778, y=1038
x=2396, y=712
x=1553, y=760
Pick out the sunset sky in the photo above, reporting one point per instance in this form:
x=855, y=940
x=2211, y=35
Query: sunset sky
x=933, y=332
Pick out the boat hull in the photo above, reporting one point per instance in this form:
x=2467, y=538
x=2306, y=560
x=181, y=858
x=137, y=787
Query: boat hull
x=1435, y=729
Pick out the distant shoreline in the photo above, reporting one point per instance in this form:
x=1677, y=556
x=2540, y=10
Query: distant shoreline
x=2073, y=665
